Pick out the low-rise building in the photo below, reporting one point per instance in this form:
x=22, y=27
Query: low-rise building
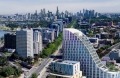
x=65, y=69
x=114, y=54
x=94, y=41
x=117, y=34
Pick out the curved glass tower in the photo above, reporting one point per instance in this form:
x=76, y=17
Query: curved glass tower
x=77, y=47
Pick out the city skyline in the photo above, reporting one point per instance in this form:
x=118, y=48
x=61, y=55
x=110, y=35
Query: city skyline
x=25, y=6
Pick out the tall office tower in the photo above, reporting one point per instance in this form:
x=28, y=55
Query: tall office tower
x=77, y=47
x=24, y=42
x=37, y=42
x=29, y=16
x=41, y=12
x=57, y=13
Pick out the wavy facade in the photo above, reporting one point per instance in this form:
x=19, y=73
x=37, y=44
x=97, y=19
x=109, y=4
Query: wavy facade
x=77, y=47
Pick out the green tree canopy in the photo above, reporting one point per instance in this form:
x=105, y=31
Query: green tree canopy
x=34, y=75
x=3, y=61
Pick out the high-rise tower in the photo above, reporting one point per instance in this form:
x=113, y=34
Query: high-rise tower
x=77, y=47
x=57, y=12
x=24, y=42
x=37, y=42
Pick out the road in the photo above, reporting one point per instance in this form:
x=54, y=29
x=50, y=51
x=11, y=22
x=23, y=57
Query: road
x=113, y=46
x=29, y=73
x=42, y=66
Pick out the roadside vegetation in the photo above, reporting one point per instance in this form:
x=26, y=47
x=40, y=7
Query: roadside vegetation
x=34, y=75
x=71, y=24
x=52, y=47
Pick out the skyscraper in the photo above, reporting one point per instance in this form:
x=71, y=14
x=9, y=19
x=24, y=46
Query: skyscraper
x=77, y=47
x=57, y=12
x=24, y=42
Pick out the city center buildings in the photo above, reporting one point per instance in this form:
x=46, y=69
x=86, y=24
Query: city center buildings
x=77, y=47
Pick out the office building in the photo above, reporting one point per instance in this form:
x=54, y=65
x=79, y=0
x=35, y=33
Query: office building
x=24, y=42
x=119, y=24
x=94, y=41
x=65, y=69
x=77, y=47
x=47, y=34
x=117, y=34
x=60, y=23
x=10, y=41
x=37, y=42
x=115, y=54
x=56, y=27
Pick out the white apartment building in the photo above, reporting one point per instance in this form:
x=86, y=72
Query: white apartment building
x=77, y=47
x=65, y=69
x=37, y=42
x=24, y=42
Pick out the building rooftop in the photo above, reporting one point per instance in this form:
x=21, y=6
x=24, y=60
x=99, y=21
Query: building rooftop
x=67, y=62
x=116, y=50
x=75, y=31
x=64, y=76
x=44, y=28
x=24, y=29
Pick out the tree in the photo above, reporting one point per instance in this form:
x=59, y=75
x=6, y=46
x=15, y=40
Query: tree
x=29, y=60
x=3, y=61
x=14, y=56
x=17, y=71
x=1, y=77
x=51, y=47
x=47, y=51
x=34, y=75
x=36, y=58
x=7, y=71
x=99, y=51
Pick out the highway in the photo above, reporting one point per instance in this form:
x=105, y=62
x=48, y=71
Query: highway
x=42, y=66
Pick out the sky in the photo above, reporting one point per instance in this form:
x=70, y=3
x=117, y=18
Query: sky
x=25, y=6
